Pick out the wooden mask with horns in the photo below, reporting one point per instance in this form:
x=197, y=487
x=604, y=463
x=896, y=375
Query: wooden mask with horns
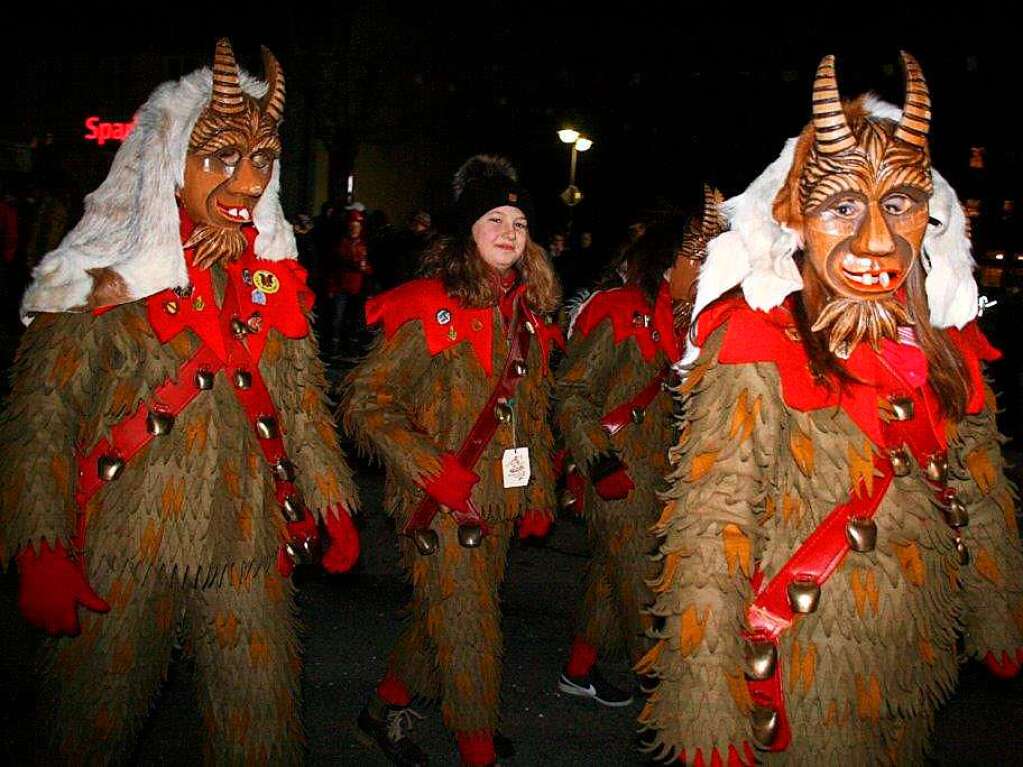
x=231, y=154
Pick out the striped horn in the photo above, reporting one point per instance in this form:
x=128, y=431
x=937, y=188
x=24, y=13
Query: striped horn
x=916, y=112
x=273, y=102
x=227, y=89
x=831, y=132
x=711, y=222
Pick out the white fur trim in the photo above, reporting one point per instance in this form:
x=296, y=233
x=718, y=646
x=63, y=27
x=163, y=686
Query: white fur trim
x=130, y=222
x=757, y=252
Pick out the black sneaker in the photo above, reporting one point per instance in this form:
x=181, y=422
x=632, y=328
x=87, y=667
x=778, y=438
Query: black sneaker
x=594, y=686
x=391, y=733
x=503, y=746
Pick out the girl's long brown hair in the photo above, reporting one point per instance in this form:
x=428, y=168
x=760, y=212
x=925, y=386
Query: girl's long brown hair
x=946, y=371
x=457, y=263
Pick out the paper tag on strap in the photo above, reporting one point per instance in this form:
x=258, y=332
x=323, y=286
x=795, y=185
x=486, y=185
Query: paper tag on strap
x=515, y=467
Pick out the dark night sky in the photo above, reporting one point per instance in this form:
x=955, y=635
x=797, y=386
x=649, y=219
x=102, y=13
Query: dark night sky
x=670, y=96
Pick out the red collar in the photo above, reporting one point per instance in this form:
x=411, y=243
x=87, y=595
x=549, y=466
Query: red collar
x=755, y=336
x=261, y=294
x=632, y=317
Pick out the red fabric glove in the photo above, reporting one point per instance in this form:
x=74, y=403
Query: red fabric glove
x=52, y=587
x=343, y=541
x=299, y=531
x=453, y=486
x=533, y=524
x=734, y=760
x=614, y=486
x=1007, y=667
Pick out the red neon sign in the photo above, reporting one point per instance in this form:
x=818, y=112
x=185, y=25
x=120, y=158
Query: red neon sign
x=102, y=132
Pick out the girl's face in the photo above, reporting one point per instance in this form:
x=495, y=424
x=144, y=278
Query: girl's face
x=500, y=235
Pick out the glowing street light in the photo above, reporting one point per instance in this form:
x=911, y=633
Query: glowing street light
x=572, y=196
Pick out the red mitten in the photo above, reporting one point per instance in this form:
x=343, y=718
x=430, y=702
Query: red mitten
x=298, y=532
x=342, y=541
x=453, y=485
x=533, y=524
x=52, y=587
x=734, y=760
x=1007, y=667
x=614, y=486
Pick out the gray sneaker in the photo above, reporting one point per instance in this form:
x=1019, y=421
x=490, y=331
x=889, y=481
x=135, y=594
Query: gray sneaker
x=594, y=686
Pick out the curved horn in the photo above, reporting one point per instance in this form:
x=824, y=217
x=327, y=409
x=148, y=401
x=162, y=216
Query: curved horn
x=227, y=89
x=831, y=133
x=272, y=104
x=711, y=221
x=916, y=112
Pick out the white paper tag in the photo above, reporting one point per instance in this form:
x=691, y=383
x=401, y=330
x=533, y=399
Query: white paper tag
x=515, y=466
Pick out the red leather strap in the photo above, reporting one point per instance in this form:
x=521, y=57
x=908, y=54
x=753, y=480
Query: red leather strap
x=483, y=429
x=770, y=614
x=616, y=420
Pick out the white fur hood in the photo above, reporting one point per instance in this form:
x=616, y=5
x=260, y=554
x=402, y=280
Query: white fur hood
x=131, y=225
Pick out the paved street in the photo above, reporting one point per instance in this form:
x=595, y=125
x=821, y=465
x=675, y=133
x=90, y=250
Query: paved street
x=352, y=619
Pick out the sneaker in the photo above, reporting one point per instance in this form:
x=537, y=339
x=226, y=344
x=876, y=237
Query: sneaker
x=594, y=686
x=391, y=734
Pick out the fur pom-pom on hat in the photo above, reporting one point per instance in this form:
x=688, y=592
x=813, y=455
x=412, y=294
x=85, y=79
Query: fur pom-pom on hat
x=480, y=168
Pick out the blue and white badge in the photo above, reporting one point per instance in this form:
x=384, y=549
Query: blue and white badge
x=258, y=297
x=443, y=317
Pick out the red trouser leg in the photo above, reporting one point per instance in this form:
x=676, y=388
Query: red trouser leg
x=476, y=748
x=581, y=658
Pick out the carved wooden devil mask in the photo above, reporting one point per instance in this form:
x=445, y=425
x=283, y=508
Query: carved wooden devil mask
x=230, y=159
x=858, y=195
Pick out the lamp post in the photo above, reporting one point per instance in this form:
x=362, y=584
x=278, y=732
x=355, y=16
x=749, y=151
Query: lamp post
x=572, y=196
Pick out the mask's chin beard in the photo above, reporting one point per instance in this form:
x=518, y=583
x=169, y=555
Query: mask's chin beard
x=215, y=243
x=849, y=321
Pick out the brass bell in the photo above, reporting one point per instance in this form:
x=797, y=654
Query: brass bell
x=530, y=328
x=902, y=407
x=900, y=462
x=638, y=414
x=284, y=470
x=238, y=328
x=962, y=552
x=519, y=368
x=470, y=535
x=242, y=379
x=158, y=424
x=305, y=551
x=956, y=514
x=640, y=320
x=293, y=509
x=765, y=723
x=861, y=533
x=804, y=594
x=937, y=468
x=266, y=427
x=109, y=467
x=204, y=380
x=427, y=541
x=761, y=659
x=503, y=411
x=655, y=336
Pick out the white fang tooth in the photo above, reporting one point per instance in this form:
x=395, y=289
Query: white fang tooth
x=233, y=212
x=883, y=279
x=864, y=263
x=868, y=279
x=244, y=213
x=849, y=261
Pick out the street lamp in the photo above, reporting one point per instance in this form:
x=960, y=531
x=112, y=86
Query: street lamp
x=572, y=196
